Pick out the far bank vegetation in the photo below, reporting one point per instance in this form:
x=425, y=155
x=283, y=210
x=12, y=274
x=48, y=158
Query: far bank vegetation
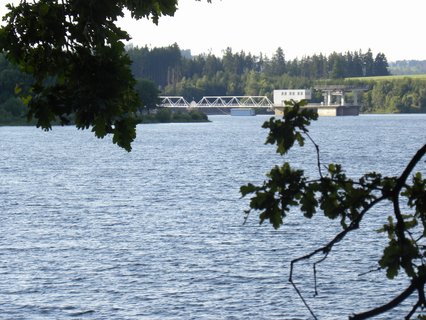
x=172, y=71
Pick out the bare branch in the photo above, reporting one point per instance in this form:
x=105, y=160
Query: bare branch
x=415, y=284
x=353, y=226
x=303, y=300
x=413, y=310
x=318, y=153
x=315, y=272
x=413, y=162
x=370, y=271
x=327, y=248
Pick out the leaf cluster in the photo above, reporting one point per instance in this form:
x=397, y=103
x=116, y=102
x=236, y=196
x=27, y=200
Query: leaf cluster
x=75, y=52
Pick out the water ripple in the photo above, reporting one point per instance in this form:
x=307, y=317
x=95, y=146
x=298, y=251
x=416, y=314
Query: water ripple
x=91, y=232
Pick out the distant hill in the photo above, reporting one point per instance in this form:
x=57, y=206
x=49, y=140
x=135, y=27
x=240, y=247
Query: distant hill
x=408, y=67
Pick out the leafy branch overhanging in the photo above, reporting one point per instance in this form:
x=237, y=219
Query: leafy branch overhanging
x=340, y=197
x=76, y=54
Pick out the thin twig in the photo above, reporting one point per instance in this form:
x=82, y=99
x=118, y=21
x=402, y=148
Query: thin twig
x=327, y=248
x=315, y=272
x=318, y=153
x=413, y=310
x=370, y=271
x=303, y=300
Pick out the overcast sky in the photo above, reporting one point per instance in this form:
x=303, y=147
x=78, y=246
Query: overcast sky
x=301, y=27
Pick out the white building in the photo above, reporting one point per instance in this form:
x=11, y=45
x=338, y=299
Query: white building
x=293, y=94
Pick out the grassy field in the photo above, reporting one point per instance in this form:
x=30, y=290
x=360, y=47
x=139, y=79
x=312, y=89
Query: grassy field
x=392, y=77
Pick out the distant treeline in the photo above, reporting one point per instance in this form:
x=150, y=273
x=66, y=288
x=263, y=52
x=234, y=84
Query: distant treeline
x=242, y=73
x=408, y=67
x=12, y=110
x=167, y=66
x=176, y=72
x=399, y=95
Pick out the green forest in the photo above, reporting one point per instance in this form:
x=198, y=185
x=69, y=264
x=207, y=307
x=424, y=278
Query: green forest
x=172, y=71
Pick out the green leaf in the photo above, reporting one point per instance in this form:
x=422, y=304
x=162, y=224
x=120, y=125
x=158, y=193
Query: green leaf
x=99, y=127
x=43, y=9
x=249, y=188
x=26, y=99
x=308, y=203
x=18, y=89
x=391, y=259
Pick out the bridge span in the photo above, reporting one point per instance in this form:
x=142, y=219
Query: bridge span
x=225, y=104
x=218, y=102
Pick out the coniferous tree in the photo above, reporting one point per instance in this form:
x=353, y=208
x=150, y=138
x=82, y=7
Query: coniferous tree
x=381, y=65
x=278, y=66
x=368, y=64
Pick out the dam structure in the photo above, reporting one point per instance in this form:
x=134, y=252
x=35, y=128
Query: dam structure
x=336, y=102
x=335, y=99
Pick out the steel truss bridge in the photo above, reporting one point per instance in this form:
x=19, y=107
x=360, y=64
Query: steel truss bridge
x=218, y=102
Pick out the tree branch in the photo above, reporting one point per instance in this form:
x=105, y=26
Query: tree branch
x=327, y=248
x=303, y=300
x=413, y=162
x=415, y=284
x=413, y=310
x=318, y=153
x=400, y=183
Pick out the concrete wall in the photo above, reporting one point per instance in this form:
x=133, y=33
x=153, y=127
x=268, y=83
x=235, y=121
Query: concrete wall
x=285, y=95
x=242, y=112
x=327, y=111
x=338, y=111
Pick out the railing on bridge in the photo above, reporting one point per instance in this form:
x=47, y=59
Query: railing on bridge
x=174, y=102
x=217, y=102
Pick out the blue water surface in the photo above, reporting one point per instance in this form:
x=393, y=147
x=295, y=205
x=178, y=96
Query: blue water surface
x=89, y=231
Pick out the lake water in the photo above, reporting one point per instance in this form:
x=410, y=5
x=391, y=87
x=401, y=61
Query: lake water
x=89, y=231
